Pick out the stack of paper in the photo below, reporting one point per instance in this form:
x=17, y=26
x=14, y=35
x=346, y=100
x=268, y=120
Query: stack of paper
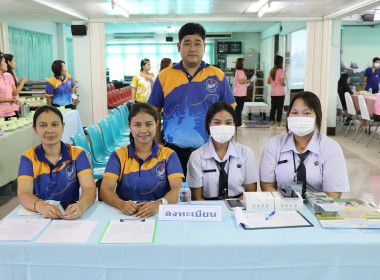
x=21, y=229
x=322, y=203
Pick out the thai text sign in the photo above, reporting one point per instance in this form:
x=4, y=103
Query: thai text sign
x=190, y=212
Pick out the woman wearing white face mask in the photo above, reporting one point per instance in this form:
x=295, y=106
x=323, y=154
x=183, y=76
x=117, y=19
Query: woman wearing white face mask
x=304, y=155
x=221, y=168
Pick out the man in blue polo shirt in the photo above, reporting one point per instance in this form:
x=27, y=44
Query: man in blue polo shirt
x=185, y=91
x=371, y=76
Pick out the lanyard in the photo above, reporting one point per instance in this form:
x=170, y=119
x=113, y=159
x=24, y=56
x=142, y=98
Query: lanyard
x=301, y=162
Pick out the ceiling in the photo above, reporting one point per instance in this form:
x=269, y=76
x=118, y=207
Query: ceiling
x=156, y=15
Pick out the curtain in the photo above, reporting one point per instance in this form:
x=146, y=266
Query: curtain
x=33, y=52
x=70, y=58
x=124, y=59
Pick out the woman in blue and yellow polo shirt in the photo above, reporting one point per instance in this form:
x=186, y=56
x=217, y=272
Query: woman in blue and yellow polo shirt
x=54, y=171
x=142, y=171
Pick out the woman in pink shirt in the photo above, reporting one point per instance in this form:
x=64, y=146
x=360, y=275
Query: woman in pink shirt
x=240, y=89
x=17, y=87
x=6, y=90
x=277, y=81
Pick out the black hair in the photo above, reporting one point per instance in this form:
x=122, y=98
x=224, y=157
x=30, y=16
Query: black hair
x=8, y=58
x=192, y=29
x=375, y=59
x=278, y=62
x=46, y=108
x=56, y=67
x=311, y=100
x=342, y=82
x=143, y=62
x=216, y=108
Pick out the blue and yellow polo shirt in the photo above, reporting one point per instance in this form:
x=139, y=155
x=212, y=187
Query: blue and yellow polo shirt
x=54, y=182
x=140, y=180
x=185, y=101
x=60, y=91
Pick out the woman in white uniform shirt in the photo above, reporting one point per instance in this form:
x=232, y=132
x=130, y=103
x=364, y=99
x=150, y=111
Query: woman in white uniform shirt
x=203, y=169
x=324, y=161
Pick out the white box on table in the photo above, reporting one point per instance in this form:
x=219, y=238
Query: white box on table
x=290, y=204
x=258, y=201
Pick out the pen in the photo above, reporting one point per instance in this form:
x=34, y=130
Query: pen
x=270, y=215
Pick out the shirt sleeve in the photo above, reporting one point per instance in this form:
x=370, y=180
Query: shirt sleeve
x=173, y=167
x=227, y=94
x=25, y=170
x=113, y=167
x=156, y=98
x=49, y=90
x=268, y=163
x=194, y=170
x=334, y=174
x=252, y=168
x=239, y=75
x=82, y=164
x=134, y=81
x=72, y=82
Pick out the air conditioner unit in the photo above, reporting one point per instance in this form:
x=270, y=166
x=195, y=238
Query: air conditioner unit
x=131, y=36
x=219, y=35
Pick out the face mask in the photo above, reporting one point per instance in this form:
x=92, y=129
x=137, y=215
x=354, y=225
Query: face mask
x=376, y=65
x=301, y=126
x=222, y=133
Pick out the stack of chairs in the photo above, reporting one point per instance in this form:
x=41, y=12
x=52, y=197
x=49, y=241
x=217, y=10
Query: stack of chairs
x=117, y=97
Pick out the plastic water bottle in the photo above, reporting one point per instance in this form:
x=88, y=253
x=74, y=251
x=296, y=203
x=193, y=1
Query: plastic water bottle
x=370, y=90
x=184, y=194
x=353, y=88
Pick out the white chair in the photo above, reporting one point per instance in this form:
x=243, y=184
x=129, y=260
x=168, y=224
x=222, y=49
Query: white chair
x=342, y=114
x=365, y=117
x=351, y=111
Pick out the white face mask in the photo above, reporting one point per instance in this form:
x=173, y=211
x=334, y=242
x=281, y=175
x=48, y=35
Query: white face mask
x=376, y=65
x=222, y=133
x=301, y=126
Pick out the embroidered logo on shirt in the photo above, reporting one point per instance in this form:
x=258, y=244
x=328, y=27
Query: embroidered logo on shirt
x=160, y=171
x=70, y=172
x=211, y=85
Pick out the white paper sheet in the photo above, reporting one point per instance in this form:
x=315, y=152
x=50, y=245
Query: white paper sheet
x=64, y=231
x=129, y=231
x=21, y=229
x=279, y=219
x=252, y=79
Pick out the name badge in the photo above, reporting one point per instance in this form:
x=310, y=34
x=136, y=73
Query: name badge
x=209, y=170
x=190, y=212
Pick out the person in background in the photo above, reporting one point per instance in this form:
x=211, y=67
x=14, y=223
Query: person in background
x=343, y=87
x=17, y=87
x=165, y=63
x=60, y=88
x=371, y=76
x=304, y=154
x=142, y=83
x=376, y=109
x=221, y=168
x=240, y=88
x=277, y=81
x=54, y=170
x=6, y=91
x=185, y=91
x=143, y=170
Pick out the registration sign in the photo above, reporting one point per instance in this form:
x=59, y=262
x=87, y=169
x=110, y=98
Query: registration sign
x=190, y=212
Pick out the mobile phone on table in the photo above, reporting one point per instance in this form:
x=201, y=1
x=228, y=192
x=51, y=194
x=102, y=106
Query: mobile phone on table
x=233, y=203
x=66, y=204
x=287, y=193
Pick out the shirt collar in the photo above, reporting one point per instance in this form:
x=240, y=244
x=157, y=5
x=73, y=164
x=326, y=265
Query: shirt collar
x=132, y=153
x=58, y=78
x=40, y=153
x=209, y=151
x=179, y=66
x=312, y=146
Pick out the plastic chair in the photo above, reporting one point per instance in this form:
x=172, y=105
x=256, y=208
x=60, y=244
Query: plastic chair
x=97, y=171
x=115, y=129
x=101, y=154
x=365, y=117
x=111, y=142
x=342, y=114
x=123, y=127
x=123, y=109
x=351, y=111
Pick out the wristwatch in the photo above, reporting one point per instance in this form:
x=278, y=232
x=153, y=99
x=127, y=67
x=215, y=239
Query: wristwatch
x=164, y=201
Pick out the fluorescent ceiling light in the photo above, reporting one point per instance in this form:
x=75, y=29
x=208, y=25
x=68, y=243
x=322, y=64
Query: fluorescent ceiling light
x=255, y=6
x=119, y=7
x=61, y=9
x=263, y=9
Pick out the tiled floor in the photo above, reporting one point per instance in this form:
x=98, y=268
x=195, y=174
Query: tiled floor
x=363, y=164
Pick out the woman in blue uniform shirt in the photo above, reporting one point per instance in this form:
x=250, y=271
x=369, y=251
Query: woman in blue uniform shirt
x=54, y=171
x=221, y=168
x=304, y=148
x=142, y=171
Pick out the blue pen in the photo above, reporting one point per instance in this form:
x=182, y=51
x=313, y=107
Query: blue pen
x=270, y=215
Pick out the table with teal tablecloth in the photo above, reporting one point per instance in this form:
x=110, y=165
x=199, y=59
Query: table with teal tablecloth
x=199, y=250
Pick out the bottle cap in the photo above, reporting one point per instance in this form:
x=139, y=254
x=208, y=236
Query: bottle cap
x=185, y=184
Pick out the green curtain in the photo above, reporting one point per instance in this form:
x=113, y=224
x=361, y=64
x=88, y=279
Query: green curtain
x=124, y=59
x=33, y=52
x=70, y=58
